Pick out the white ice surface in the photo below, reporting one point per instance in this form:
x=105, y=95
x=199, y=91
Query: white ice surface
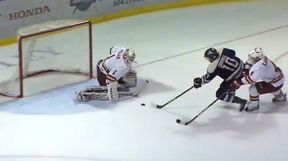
x=50, y=126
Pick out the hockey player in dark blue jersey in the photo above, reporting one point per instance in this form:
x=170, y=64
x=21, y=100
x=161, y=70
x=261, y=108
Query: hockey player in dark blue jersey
x=225, y=64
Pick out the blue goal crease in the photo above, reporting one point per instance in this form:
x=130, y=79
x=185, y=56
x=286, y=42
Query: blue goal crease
x=57, y=102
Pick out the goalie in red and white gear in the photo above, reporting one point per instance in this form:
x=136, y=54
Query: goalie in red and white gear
x=115, y=76
x=260, y=67
x=117, y=67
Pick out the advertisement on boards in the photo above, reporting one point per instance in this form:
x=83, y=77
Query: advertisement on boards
x=28, y=13
x=81, y=5
x=15, y=14
x=119, y=5
x=125, y=2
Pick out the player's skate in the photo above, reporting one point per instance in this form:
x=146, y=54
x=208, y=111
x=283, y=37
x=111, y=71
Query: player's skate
x=252, y=109
x=282, y=98
x=241, y=102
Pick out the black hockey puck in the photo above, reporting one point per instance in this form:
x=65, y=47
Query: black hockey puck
x=142, y=104
x=178, y=121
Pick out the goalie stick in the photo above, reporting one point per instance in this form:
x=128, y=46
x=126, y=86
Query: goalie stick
x=161, y=106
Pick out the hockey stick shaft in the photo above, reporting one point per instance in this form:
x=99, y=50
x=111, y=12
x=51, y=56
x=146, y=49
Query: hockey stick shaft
x=161, y=106
x=194, y=118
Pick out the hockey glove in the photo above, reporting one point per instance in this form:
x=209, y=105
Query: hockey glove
x=197, y=82
x=245, y=72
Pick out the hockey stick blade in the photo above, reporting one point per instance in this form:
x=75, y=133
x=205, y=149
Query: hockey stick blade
x=156, y=105
x=181, y=122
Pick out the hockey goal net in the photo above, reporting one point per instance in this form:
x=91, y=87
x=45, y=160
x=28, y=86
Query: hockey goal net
x=50, y=55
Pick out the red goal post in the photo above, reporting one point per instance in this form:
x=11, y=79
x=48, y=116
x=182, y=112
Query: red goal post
x=54, y=50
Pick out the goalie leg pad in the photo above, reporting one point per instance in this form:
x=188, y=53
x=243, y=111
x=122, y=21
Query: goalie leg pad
x=134, y=91
x=101, y=92
x=88, y=96
x=91, y=93
x=112, y=91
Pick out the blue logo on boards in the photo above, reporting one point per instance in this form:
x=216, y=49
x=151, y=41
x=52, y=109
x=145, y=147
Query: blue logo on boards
x=81, y=5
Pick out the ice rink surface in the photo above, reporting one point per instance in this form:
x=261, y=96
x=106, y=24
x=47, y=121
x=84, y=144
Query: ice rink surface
x=51, y=126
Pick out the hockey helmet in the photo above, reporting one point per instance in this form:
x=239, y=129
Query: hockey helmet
x=256, y=54
x=211, y=54
x=129, y=54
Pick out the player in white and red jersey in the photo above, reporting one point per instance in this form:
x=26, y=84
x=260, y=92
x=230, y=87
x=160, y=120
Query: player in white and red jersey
x=117, y=67
x=260, y=67
x=113, y=74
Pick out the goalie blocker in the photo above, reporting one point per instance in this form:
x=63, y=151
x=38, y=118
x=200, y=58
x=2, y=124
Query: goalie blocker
x=116, y=78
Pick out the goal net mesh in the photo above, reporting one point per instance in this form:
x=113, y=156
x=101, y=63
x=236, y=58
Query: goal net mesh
x=51, y=54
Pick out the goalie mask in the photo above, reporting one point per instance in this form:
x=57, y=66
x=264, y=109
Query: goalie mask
x=129, y=55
